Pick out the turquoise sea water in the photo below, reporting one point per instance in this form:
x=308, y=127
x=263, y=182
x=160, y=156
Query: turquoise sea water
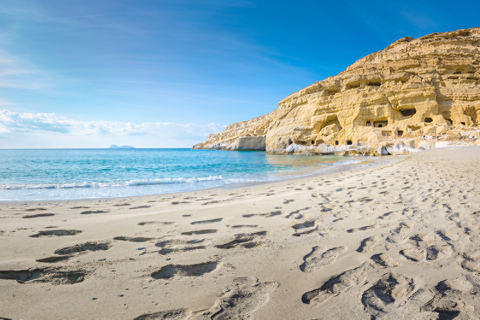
x=61, y=174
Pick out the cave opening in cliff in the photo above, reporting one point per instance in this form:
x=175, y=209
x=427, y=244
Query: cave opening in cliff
x=336, y=143
x=353, y=85
x=312, y=142
x=463, y=123
x=428, y=120
x=413, y=128
x=380, y=124
x=374, y=84
x=289, y=141
x=399, y=133
x=408, y=112
x=331, y=91
x=368, y=123
x=349, y=142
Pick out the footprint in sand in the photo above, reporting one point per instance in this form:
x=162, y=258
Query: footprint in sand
x=164, y=223
x=192, y=270
x=266, y=215
x=87, y=246
x=368, y=244
x=241, y=226
x=207, y=221
x=454, y=299
x=39, y=215
x=337, y=285
x=36, y=209
x=197, y=232
x=55, y=259
x=388, y=294
x=241, y=299
x=56, y=233
x=177, y=314
x=139, y=207
x=365, y=228
x=304, y=228
x=385, y=260
x=237, y=301
x=297, y=213
x=318, y=258
x=133, y=239
x=400, y=233
x=94, y=212
x=427, y=254
x=246, y=240
x=55, y=276
x=121, y=204
x=181, y=245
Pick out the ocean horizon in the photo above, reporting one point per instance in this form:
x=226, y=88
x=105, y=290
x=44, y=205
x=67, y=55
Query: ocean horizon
x=89, y=173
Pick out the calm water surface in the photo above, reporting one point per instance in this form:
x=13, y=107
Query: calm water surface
x=61, y=174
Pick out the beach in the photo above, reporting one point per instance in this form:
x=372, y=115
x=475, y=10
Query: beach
x=398, y=240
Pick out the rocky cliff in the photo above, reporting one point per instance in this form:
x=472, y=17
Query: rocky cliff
x=417, y=93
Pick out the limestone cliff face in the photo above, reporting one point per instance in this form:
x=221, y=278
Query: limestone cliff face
x=246, y=135
x=391, y=101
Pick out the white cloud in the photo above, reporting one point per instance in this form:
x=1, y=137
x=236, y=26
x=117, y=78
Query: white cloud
x=46, y=130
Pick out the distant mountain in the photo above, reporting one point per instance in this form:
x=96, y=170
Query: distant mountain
x=114, y=146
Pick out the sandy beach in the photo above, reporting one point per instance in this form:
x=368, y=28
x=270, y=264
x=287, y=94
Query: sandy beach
x=398, y=240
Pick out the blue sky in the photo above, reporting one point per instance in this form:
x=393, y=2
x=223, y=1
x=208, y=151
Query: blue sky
x=164, y=73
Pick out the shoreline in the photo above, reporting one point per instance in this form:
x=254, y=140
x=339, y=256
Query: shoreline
x=331, y=169
x=331, y=246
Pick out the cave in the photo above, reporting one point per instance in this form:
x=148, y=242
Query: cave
x=463, y=123
x=399, y=133
x=408, y=112
x=368, y=123
x=413, y=128
x=353, y=85
x=349, y=142
x=312, y=142
x=336, y=143
x=290, y=141
x=374, y=84
x=380, y=124
x=428, y=120
x=331, y=91
x=458, y=72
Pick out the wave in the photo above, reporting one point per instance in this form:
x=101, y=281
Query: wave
x=113, y=184
x=346, y=162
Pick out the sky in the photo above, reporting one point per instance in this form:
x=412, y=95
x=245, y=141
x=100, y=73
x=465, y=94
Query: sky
x=166, y=73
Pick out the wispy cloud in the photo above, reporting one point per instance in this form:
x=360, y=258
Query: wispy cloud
x=418, y=19
x=19, y=73
x=14, y=124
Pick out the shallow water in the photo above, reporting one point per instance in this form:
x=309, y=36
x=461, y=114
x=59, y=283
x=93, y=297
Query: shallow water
x=61, y=174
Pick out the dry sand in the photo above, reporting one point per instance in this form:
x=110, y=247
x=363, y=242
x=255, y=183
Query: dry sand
x=396, y=241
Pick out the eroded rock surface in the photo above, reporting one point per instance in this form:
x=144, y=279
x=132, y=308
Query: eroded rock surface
x=416, y=94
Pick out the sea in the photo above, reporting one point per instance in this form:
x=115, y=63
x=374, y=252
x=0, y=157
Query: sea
x=67, y=174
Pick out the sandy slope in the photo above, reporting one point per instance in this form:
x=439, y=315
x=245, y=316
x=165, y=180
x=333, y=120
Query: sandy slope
x=399, y=241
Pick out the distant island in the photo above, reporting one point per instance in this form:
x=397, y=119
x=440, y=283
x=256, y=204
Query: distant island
x=114, y=146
